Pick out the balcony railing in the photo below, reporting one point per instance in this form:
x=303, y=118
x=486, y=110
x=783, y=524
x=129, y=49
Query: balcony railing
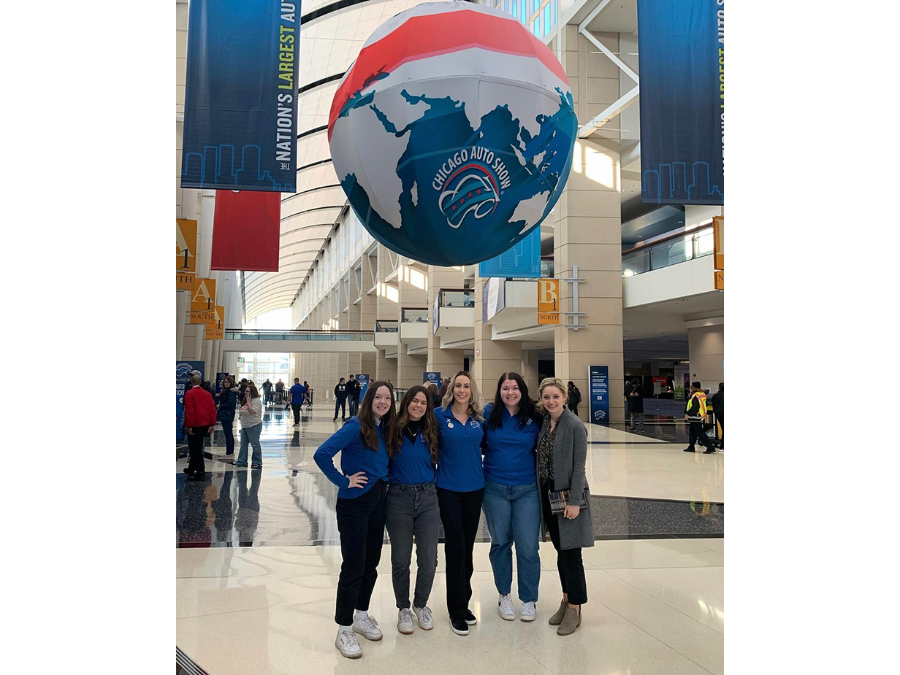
x=413, y=315
x=672, y=250
x=461, y=297
x=314, y=335
x=387, y=326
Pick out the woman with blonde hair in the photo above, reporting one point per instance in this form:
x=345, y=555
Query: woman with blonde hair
x=460, y=488
x=251, y=426
x=565, y=498
x=412, y=506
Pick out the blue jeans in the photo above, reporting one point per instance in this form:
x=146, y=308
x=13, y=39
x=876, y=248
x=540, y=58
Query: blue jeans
x=513, y=514
x=250, y=435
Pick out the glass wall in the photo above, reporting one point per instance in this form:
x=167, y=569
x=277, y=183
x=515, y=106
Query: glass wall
x=258, y=367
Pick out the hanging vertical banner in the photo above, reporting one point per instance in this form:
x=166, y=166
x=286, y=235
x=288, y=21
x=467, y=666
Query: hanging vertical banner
x=719, y=243
x=521, y=260
x=240, y=101
x=215, y=329
x=246, y=231
x=548, y=302
x=183, y=370
x=598, y=384
x=185, y=245
x=682, y=99
x=203, y=297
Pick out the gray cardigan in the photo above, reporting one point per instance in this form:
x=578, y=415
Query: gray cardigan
x=569, y=457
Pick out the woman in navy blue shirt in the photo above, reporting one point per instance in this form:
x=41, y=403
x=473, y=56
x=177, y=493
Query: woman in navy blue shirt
x=512, y=506
x=360, y=509
x=460, y=488
x=412, y=506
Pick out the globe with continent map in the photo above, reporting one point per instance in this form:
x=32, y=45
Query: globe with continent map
x=452, y=133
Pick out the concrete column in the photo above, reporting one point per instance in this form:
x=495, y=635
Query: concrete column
x=589, y=234
x=385, y=368
x=492, y=357
x=529, y=370
x=706, y=347
x=448, y=362
x=412, y=287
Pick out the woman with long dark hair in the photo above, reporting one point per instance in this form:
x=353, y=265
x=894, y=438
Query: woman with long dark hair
x=412, y=506
x=561, y=458
x=512, y=507
x=227, y=400
x=460, y=483
x=360, y=509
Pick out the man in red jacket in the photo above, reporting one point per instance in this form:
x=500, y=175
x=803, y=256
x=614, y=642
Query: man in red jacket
x=199, y=418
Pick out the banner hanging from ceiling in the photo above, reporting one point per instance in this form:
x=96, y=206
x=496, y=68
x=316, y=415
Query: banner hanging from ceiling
x=240, y=105
x=682, y=99
x=246, y=231
x=520, y=260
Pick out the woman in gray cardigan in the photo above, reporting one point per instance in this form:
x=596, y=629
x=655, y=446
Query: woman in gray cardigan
x=561, y=456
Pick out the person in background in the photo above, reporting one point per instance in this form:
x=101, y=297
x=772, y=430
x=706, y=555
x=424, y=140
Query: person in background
x=460, y=483
x=200, y=420
x=574, y=397
x=561, y=457
x=718, y=406
x=267, y=391
x=227, y=400
x=512, y=506
x=694, y=414
x=242, y=388
x=353, y=395
x=636, y=398
x=340, y=400
x=298, y=391
x=412, y=507
x=629, y=417
x=444, y=384
x=360, y=509
x=251, y=426
x=432, y=390
x=279, y=391
x=309, y=394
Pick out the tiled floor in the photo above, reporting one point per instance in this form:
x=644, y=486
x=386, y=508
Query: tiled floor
x=656, y=605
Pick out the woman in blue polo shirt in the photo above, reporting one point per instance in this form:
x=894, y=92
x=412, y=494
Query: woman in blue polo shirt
x=460, y=484
x=412, y=506
x=360, y=509
x=512, y=506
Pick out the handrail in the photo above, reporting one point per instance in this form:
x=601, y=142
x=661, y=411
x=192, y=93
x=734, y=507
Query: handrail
x=307, y=335
x=295, y=330
x=672, y=237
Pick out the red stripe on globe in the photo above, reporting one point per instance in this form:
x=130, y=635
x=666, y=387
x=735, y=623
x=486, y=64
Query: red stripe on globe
x=452, y=134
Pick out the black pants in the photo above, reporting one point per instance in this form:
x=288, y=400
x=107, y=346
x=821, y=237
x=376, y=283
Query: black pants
x=354, y=406
x=697, y=434
x=460, y=513
x=195, y=448
x=361, y=524
x=568, y=562
x=574, y=408
x=342, y=404
x=296, y=408
x=720, y=418
x=228, y=433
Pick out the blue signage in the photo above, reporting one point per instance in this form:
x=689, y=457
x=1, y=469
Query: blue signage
x=432, y=377
x=520, y=260
x=682, y=47
x=183, y=370
x=363, y=381
x=240, y=105
x=598, y=386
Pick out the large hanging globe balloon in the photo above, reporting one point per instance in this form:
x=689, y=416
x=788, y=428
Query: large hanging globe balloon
x=452, y=133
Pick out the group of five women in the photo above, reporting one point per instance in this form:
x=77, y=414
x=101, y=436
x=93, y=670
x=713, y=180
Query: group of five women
x=422, y=466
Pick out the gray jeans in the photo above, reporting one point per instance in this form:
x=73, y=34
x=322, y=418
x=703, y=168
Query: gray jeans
x=412, y=510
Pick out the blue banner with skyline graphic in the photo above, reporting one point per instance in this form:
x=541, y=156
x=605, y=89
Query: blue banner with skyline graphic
x=682, y=98
x=240, y=106
x=522, y=260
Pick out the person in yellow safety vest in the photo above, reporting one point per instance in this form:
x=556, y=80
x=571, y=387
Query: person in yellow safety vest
x=695, y=413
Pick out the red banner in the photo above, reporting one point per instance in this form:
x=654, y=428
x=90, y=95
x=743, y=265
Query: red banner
x=246, y=231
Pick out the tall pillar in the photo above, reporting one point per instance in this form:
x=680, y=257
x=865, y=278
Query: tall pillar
x=412, y=287
x=529, y=371
x=492, y=357
x=448, y=362
x=706, y=348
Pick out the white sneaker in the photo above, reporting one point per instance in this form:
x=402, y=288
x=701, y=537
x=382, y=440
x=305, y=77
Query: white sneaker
x=505, y=606
x=347, y=644
x=405, y=622
x=423, y=616
x=368, y=628
x=528, y=611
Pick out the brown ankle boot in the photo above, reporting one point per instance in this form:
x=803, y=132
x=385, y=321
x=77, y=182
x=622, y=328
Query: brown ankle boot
x=557, y=618
x=570, y=622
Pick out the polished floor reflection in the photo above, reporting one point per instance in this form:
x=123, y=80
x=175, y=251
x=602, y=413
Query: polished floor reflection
x=257, y=566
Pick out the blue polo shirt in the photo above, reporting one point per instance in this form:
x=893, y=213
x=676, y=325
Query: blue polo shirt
x=459, y=462
x=509, y=454
x=297, y=392
x=355, y=457
x=412, y=464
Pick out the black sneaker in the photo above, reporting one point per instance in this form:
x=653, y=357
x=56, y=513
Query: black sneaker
x=187, y=471
x=197, y=476
x=470, y=618
x=256, y=466
x=334, y=419
x=459, y=626
x=688, y=450
x=711, y=451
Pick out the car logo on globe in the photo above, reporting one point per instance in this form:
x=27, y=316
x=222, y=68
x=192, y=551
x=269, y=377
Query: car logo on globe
x=472, y=191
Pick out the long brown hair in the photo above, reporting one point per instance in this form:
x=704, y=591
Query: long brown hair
x=474, y=408
x=430, y=430
x=367, y=418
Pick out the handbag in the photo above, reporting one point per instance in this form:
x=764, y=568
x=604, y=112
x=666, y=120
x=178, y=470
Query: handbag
x=560, y=499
